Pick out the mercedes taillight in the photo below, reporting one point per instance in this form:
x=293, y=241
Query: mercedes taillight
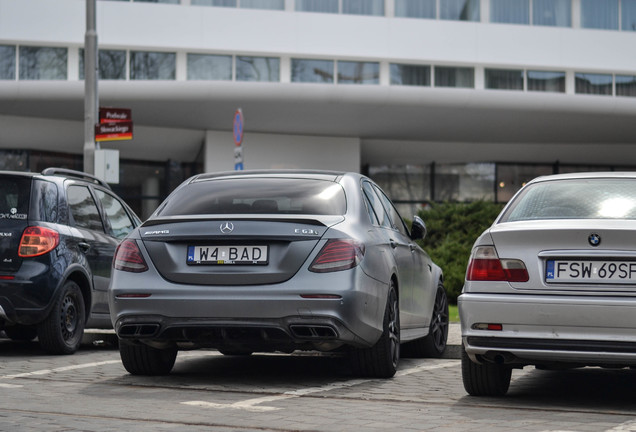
x=338, y=255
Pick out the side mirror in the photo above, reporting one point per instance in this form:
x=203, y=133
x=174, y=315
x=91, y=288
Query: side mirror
x=418, y=229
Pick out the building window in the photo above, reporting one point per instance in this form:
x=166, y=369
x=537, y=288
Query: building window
x=415, y=8
x=262, y=4
x=224, y=3
x=504, y=79
x=7, y=62
x=463, y=77
x=459, y=10
x=625, y=85
x=598, y=84
x=358, y=72
x=510, y=11
x=414, y=75
x=599, y=14
x=257, y=69
x=408, y=186
x=465, y=182
x=363, y=7
x=159, y=1
x=556, y=13
x=111, y=64
x=512, y=177
x=628, y=15
x=320, y=71
x=325, y=6
x=209, y=67
x=152, y=65
x=546, y=81
x=43, y=63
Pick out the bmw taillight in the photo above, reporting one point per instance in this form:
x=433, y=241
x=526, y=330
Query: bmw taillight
x=128, y=258
x=485, y=265
x=338, y=255
x=37, y=241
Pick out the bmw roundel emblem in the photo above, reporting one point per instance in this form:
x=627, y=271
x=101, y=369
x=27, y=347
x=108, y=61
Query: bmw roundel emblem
x=594, y=239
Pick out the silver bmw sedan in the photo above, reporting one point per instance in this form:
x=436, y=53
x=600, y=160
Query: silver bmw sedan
x=265, y=261
x=552, y=283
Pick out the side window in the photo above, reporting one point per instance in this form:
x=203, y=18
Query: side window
x=396, y=219
x=381, y=217
x=119, y=220
x=44, y=201
x=83, y=208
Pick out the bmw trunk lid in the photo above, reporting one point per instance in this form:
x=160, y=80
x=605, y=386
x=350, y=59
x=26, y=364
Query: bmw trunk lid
x=576, y=248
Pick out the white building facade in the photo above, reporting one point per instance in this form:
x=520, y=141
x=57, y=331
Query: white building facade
x=435, y=99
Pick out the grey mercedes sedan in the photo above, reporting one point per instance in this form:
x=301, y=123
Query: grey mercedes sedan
x=263, y=261
x=552, y=283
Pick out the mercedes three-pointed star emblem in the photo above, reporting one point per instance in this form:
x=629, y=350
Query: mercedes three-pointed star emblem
x=227, y=227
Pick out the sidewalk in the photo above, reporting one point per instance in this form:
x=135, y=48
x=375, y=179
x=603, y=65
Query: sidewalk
x=454, y=341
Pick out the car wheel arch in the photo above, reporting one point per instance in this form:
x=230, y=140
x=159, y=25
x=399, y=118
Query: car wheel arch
x=82, y=280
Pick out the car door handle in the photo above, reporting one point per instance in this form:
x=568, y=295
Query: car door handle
x=84, y=247
x=393, y=243
x=413, y=247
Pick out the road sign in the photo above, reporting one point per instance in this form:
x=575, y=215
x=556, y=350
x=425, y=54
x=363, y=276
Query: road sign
x=109, y=114
x=238, y=127
x=113, y=131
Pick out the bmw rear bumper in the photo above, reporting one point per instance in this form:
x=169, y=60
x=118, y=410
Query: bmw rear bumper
x=543, y=330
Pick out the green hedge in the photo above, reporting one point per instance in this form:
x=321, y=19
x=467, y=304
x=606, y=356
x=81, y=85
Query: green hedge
x=452, y=228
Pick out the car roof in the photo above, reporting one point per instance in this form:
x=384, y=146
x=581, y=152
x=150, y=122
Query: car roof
x=586, y=175
x=60, y=173
x=289, y=173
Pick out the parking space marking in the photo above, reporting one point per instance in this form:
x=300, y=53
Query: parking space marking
x=254, y=404
x=90, y=365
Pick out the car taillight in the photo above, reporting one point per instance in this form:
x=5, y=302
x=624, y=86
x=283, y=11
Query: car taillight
x=37, y=241
x=128, y=258
x=338, y=255
x=485, y=265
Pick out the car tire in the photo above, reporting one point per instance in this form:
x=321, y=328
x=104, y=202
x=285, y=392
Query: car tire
x=381, y=360
x=488, y=379
x=62, y=331
x=21, y=333
x=433, y=344
x=142, y=359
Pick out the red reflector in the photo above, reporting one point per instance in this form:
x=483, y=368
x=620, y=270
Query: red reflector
x=321, y=296
x=2, y=277
x=496, y=327
x=132, y=296
x=37, y=241
x=128, y=258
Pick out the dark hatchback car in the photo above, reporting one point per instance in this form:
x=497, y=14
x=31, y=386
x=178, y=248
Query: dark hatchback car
x=58, y=234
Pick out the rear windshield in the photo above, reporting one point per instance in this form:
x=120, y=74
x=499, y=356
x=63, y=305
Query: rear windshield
x=14, y=199
x=575, y=199
x=257, y=196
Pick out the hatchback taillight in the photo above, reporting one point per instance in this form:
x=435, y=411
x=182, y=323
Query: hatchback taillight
x=37, y=241
x=128, y=258
x=338, y=255
x=485, y=265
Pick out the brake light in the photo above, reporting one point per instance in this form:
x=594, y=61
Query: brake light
x=485, y=265
x=338, y=255
x=37, y=241
x=128, y=258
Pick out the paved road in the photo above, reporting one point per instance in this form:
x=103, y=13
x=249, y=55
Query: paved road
x=91, y=391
